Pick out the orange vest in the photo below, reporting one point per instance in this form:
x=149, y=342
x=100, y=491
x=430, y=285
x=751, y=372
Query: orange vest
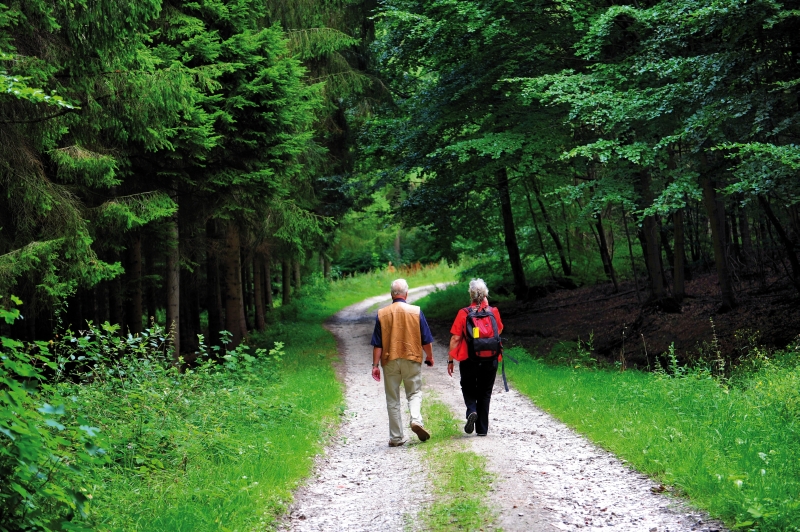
x=400, y=333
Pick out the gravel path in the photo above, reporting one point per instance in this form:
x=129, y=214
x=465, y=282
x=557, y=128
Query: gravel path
x=548, y=478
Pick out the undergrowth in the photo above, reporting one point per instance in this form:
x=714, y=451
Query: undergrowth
x=460, y=479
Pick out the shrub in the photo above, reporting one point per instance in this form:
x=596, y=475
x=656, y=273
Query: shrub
x=43, y=458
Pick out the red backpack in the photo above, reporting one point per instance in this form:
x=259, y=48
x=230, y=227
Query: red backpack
x=483, y=338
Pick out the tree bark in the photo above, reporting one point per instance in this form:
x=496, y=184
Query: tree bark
x=115, y=299
x=630, y=254
x=520, y=286
x=548, y=224
x=297, y=278
x=150, y=289
x=268, y=283
x=652, y=245
x=539, y=234
x=604, y=254
x=785, y=240
x=286, y=278
x=233, y=285
x=173, y=283
x=258, y=294
x=213, y=295
x=715, y=211
x=249, y=304
x=678, y=273
x=747, y=240
x=101, y=302
x=134, y=310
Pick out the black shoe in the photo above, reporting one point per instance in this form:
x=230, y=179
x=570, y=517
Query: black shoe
x=479, y=434
x=470, y=426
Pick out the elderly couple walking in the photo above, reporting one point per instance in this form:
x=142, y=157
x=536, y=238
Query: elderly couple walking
x=402, y=335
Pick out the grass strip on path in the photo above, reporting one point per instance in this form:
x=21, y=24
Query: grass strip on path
x=460, y=480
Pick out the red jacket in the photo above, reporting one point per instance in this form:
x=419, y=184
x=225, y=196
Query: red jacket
x=460, y=352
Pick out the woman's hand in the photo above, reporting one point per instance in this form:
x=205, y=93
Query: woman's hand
x=450, y=365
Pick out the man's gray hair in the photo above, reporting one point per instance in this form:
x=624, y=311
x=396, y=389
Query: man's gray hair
x=478, y=290
x=399, y=287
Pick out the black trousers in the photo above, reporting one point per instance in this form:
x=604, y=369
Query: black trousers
x=477, y=382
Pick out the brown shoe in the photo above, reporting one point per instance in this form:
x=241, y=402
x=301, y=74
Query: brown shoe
x=398, y=443
x=421, y=432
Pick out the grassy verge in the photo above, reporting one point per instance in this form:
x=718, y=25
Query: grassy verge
x=460, y=479
x=732, y=450
x=213, y=450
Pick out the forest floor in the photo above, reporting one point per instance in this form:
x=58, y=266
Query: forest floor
x=546, y=477
x=765, y=316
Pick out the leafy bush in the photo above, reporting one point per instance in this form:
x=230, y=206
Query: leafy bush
x=44, y=452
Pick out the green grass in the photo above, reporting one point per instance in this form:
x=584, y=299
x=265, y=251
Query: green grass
x=208, y=452
x=732, y=450
x=460, y=479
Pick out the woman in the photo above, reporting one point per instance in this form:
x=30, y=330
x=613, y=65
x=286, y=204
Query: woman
x=477, y=372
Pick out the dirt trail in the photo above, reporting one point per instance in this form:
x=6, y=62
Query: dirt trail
x=548, y=478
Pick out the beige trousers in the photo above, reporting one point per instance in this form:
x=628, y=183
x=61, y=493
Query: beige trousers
x=410, y=374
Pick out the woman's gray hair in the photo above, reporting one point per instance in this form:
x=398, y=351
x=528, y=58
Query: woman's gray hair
x=478, y=290
x=399, y=287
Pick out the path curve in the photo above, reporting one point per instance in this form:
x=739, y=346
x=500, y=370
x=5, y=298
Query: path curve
x=548, y=478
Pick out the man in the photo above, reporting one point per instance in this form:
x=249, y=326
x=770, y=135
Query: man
x=478, y=370
x=401, y=335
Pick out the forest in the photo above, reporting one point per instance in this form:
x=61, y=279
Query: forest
x=188, y=186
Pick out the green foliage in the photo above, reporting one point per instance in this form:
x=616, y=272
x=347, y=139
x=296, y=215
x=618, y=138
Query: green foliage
x=732, y=449
x=47, y=451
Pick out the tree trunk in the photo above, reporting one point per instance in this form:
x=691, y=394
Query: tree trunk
x=150, y=289
x=678, y=273
x=249, y=304
x=785, y=240
x=213, y=297
x=297, y=279
x=258, y=276
x=604, y=255
x=268, y=283
x=134, y=310
x=539, y=234
x=286, y=278
x=520, y=286
x=747, y=240
x=233, y=285
x=665, y=244
x=397, y=247
x=190, y=312
x=630, y=254
x=101, y=299
x=115, y=300
x=242, y=309
x=548, y=224
x=716, y=216
x=652, y=245
x=327, y=267
x=173, y=283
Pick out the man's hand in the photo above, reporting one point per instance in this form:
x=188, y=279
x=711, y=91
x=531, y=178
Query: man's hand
x=376, y=374
x=450, y=368
x=429, y=353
